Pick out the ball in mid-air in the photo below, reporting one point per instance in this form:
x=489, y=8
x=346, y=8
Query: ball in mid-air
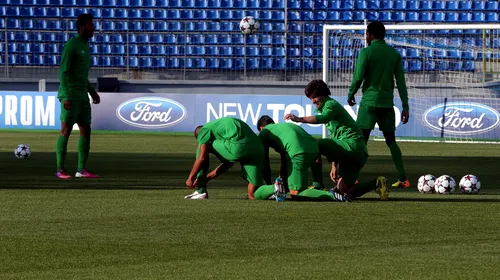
x=426, y=183
x=470, y=184
x=22, y=151
x=445, y=184
x=249, y=25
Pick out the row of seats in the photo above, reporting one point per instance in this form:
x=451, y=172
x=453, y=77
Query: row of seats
x=195, y=4
x=162, y=14
x=237, y=51
x=412, y=5
x=140, y=14
x=232, y=63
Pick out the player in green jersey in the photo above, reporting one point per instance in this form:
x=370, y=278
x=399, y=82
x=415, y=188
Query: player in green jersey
x=230, y=140
x=376, y=67
x=345, y=146
x=73, y=95
x=299, y=151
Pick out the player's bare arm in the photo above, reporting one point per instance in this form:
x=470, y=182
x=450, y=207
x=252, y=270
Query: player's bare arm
x=308, y=119
x=219, y=170
x=333, y=172
x=198, y=165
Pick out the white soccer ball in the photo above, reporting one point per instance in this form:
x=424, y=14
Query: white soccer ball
x=445, y=185
x=249, y=25
x=426, y=183
x=22, y=151
x=470, y=184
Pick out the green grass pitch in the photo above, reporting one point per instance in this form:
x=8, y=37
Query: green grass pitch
x=133, y=223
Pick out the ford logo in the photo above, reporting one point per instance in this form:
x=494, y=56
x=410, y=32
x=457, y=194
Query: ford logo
x=151, y=112
x=462, y=118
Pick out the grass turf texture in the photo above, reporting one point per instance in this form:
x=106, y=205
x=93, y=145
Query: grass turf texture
x=134, y=223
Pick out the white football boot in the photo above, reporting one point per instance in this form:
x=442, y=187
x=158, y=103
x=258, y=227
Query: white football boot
x=197, y=195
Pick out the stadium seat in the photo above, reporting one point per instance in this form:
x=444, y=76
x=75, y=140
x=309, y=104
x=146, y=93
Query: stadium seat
x=384, y=16
x=397, y=16
x=414, y=65
x=451, y=5
x=359, y=5
x=237, y=39
x=295, y=27
x=467, y=54
x=196, y=26
x=310, y=27
x=251, y=40
x=345, y=16
x=319, y=15
x=399, y=5
x=293, y=5
x=197, y=39
x=95, y=3
x=161, y=4
x=411, y=16
x=320, y=4
x=213, y=26
x=278, y=27
x=118, y=49
x=12, y=23
x=170, y=14
x=294, y=15
x=425, y=5
x=212, y=50
x=12, y=11
x=333, y=15
x=26, y=11
x=175, y=26
x=346, y=5
x=438, y=5
x=278, y=51
x=465, y=5
x=478, y=5
x=492, y=5
x=372, y=5
x=385, y=4
x=158, y=50
x=170, y=39
x=238, y=14
x=424, y=16
x=252, y=51
x=492, y=17
x=82, y=3
x=294, y=40
x=148, y=26
x=478, y=17
x=225, y=51
x=229, y=26
x=358, y=16
x=278, y=40
x=464, y=17
x=224, y=39
x=438, y=16
x=451, y=17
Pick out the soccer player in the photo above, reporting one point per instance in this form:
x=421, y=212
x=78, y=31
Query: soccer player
x=73, y=96
x=377, y=66
x=230, y=140
x=345, y=145
x=299, y=151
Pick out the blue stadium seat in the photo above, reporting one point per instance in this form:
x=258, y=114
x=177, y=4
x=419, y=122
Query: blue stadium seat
x=95, y=3
x=371, y=15
x=278, y=15
x=278, y=4
x=226, y=4
x=385, y=5
x=26, y=11
x=23, y=60
x=399, y=5
x=146, y=14
x=345, y=16
x=158, y=50
x=293, y=52
x=478, y=5
x=372, y=5
x=170, y=39
x=24, y=48
x=412, y=53
x=186, y=14
x=293, y=4
x=492, y=5
x=82, y=3
x=187, y=3
x=266, y=63
x=252, y=51
x=397, y=16
x=225, y=51
x=401, y=51
x=359, y=5
x=411, y=16
x=425, y=5
x=451, y=5
x=104, y=49
x=211, y=50
x=455, y=66
x=320, y=4
x=145, y=62
x=107, y=13
x=213, y=63
x=468, y=54
x=424, y=16
x=294, y=15
x=358, y=16
x=451, y=17
x=118, y=49
x=68, y=3
x=311, y=28
x=213, y=14
x=201, y=4
x=319, y=15
x=12, y=11
x=384, y=16
x=122, y=3
x=162, y=14
x=333, y=15
x=226, y=14
x=251, y=40
x=108, y=3
x=306, y=4
x=213, y=26
x=438, y=16
x=464, y=17
x=492, y=17
x=278, y=27
x=197, y=63
x=278, y=40
x=161, y=3
x=3, y=24
x=198, y=14
x=237, y=39
x=252, y=4
x=294, y=40
x=346, y=5
x=465, y=5
x=278, y=51
x=117, y=61
x=252, y=13
x=238, y=14
x=175, y=50
x=478, y=17
x=173, y=14
x=37, y=60
x=265, y=4
x=116, y=38
x=133, y=49
x=307, y=52
x=230, y=26
x=142, y=38
x=265, y=15
x=293, y=64
x=279, y=64
x=438, y=5
x=240, y=4
x=196, y=26
x=12, y=23
x=197, y=39
x=224, y=39
x=210, y=39
x=265, y=52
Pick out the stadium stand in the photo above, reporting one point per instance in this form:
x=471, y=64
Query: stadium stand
x=204, y=34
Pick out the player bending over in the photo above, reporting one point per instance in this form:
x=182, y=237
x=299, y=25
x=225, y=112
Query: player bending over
x=231, y=140
x=345, y=146
x=299, y=152
x=376, y=68
x=73, y=95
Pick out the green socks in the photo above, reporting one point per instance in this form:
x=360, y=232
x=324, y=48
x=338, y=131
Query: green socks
x=264, y=192
x=315, y=195
x=362, y=188
x=83, y=152
x=397, y=158
x=201, y=189
x=61, y=149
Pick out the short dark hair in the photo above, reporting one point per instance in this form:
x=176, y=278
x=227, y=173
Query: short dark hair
x=82, y=20
x=317, y=88
x=376, y=29
x=197, y=130
x=263, y=121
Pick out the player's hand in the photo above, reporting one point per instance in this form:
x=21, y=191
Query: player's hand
x=96, y=99
x=67, y=105
x=333, y=173
x=291, y=117
x=190, y=183
x=405, y=116
x=195, y=183
x=351, y=101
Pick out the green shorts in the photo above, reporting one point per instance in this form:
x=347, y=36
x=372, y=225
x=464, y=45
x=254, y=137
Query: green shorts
x=350, y=155
x=80, y=113
x=384, y=117
x=298, y=171
x=250, y=155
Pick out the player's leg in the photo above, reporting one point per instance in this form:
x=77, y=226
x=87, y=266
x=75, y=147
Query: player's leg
x=68, y=118
x=317, y=174
x=84, y=120
x=386, y=120
x=201, y=181
x=366, y=120
x=349, y=174
x=252, y=172
x=298, y=181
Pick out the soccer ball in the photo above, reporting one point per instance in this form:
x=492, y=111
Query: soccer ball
x=249, y=25
x=426, y=183
x=22, y=151
x=470, y=184
x=445, y=185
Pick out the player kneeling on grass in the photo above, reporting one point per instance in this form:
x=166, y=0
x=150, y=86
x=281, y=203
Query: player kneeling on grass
x=230, y=140
x=299, y=152
x=345, y=146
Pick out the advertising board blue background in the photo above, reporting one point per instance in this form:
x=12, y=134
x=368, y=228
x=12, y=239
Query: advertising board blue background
x=471, y=118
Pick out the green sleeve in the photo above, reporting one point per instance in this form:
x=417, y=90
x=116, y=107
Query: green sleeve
x=327, y=114
x=359, y=73
x=90, y=88
x=65, y=68
x=205, y=136
x=401, y=84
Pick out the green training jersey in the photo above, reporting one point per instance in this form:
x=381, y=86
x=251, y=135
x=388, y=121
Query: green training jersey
x=338, y=121
x=376, y=67
x=227, y=128
x=74, y=71
x=289, y=138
